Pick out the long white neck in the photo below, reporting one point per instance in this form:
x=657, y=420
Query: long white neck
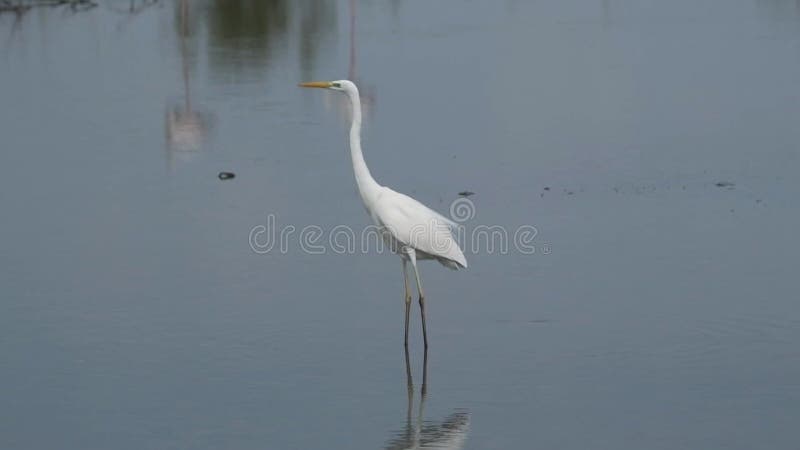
x=367, y=186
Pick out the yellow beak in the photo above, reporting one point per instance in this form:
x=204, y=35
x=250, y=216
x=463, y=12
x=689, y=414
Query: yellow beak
x=316, y=84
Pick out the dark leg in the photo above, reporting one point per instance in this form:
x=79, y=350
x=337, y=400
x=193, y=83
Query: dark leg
x=424, y=389
x=408, y=304
x=422, y=313
x=409, y=380
x=410, y=404
x=423, y=392
x=408, y=311
x=413, y=258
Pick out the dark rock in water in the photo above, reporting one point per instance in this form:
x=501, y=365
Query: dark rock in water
x=726, y=184
x=466, y=193
x=547, y=188
x=226, y=175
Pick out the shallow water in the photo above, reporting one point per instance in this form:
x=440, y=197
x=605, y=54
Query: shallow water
x=659, y=309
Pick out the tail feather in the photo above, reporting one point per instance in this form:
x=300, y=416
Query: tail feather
x=452, y=264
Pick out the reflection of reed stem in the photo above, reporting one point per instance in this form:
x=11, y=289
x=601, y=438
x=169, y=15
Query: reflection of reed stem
x=184, y=62
x=352, y=74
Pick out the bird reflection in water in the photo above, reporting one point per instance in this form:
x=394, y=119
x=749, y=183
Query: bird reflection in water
x=451, y=433
x=186, y=127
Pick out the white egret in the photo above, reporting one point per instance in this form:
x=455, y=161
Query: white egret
x=411, y=229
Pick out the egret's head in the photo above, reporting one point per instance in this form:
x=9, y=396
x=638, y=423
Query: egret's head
x=346, y=86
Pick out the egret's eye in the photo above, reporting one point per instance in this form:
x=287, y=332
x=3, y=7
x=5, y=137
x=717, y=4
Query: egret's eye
x=336, y=85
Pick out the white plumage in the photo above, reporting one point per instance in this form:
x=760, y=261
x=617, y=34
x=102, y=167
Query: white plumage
x=414, y=225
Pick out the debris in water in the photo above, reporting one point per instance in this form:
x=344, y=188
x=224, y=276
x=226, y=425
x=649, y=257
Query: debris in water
x=466, y=193
x=726, y=184
x=547, y=188
x=226, y=175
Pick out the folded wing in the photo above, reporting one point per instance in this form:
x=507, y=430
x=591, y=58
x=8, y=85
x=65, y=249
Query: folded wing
x=413, y=224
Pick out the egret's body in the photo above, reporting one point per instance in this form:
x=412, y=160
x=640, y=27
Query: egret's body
x=411, y=229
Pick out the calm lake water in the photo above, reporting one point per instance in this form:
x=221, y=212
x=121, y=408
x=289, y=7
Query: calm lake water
x=652, y=144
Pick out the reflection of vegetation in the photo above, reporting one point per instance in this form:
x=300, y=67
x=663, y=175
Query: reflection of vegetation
x=315, y=19
x=21, y=6
x=186, y=127
x=780, y=10
x=245, y=30
x=133, y=7
x=243, y=34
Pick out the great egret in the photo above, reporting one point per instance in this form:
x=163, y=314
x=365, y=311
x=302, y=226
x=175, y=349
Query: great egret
x=411, y=229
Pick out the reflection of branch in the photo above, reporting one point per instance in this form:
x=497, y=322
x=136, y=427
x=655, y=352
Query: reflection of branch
x=21, y=6
x=132, y=11
x=134, y=8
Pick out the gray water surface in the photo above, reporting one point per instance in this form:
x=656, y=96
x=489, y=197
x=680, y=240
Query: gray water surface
x=652, y=144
